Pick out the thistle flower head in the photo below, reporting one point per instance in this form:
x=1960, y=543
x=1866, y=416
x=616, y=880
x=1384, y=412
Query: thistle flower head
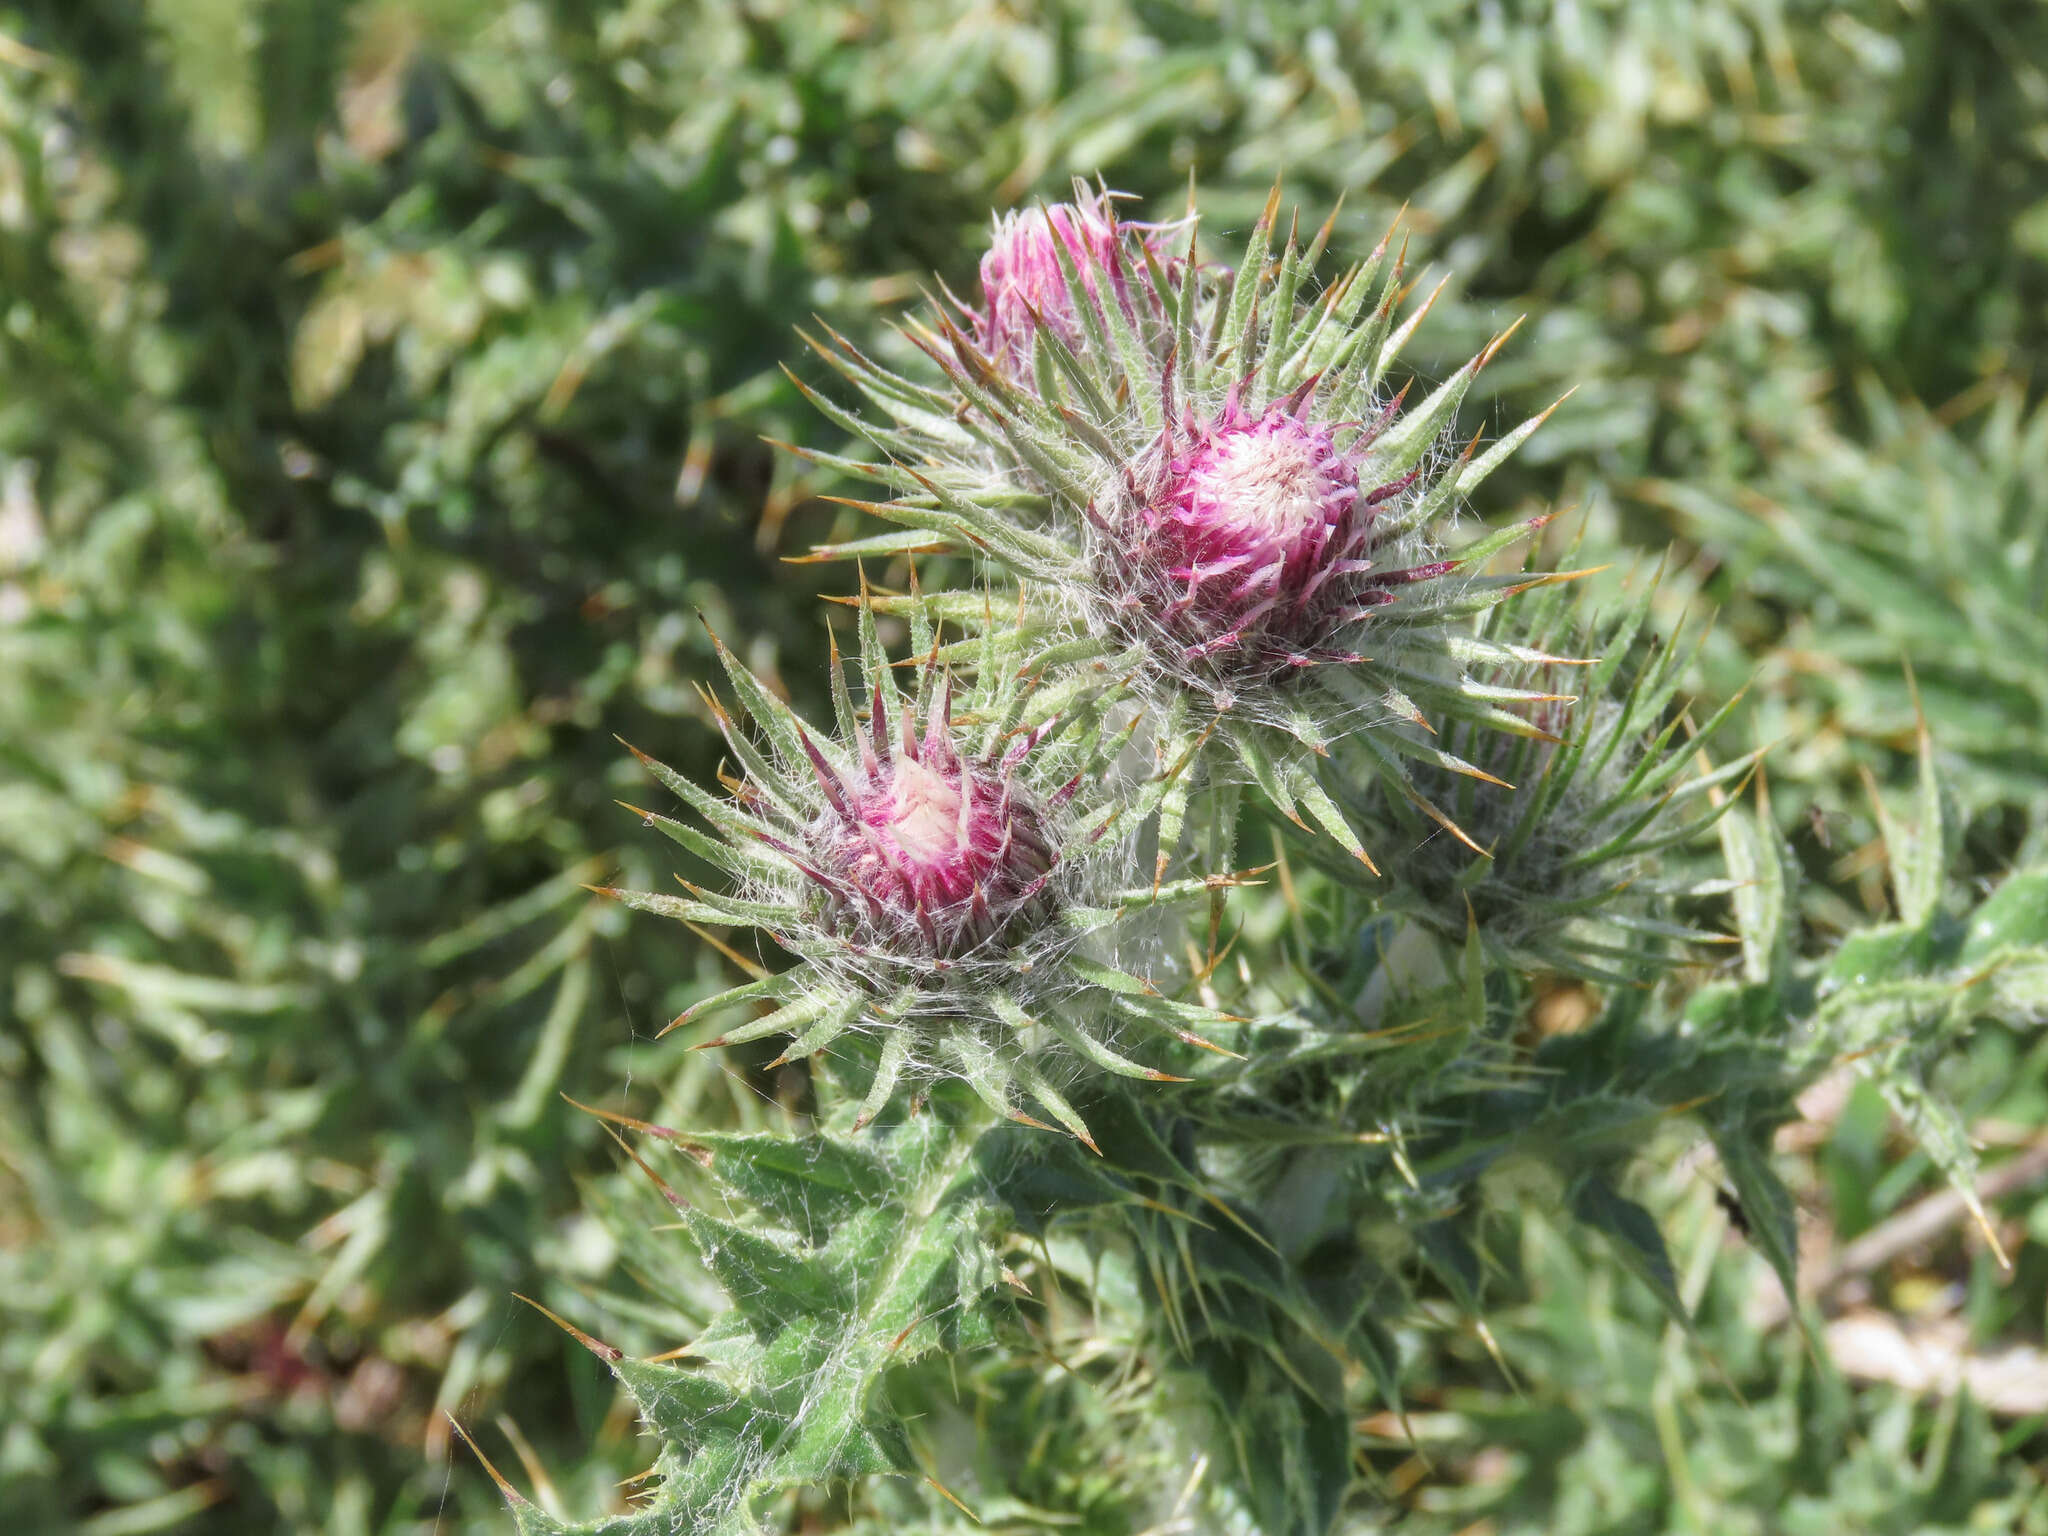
x=945, y=870
x=920, y=847
x=1024, y=284
x=1248, y=542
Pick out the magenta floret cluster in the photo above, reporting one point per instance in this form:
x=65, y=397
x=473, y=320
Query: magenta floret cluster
x=1250, y=544
x=922, y=846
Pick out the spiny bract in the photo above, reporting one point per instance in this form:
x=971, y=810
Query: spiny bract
x=1205, y=486
x=946, y=874
x=1552, y=862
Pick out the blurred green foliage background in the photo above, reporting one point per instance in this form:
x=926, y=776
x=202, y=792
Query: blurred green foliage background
x=382, y=386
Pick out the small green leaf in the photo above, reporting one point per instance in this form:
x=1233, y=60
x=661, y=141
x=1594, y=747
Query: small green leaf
x=1634, y=1238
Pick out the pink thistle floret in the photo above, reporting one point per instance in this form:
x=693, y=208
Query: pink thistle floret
x=1250, y=541
x=1022, y=282
x=923, y=848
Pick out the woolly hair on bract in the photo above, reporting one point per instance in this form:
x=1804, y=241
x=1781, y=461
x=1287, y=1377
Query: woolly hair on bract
x=946, y=871
x=1205, y=483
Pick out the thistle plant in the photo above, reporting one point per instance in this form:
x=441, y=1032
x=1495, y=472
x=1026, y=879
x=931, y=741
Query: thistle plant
x=412, y=333
x=1057, y=1038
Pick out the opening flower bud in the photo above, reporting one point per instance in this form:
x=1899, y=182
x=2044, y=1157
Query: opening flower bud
x=1022, y=281
x=1248, y=542
x=922, y=848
